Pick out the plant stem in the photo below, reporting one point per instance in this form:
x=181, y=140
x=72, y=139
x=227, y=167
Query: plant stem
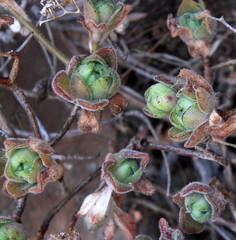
x=11, y=8
x=20, y=206
x=66, y=126
x=28, y=109
x=51, y=214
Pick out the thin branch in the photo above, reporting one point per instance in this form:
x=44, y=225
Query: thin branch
x=222, y=20
x=29, y=111
x=72, y=225
x=224, y=64
x=6, y=129
x=10, y=5
x=66, y=125
x=185, y=152
x=222, y=232
x=42, y=129
x=228, y=224
x=66, y=12
x=152, y=206
x=133, y=96
x=207, y=69
x=20, y=206
x=53, y=212
x=142, y=117
x=73, y=157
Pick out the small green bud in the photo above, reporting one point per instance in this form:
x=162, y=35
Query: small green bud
x=186, y=115
x=160, y=99
x=98, y=77
x=198, y=207
x=190, y=21
x=188, y=17
x=23, y=164
x=105, y=9
x=127, y=171
x=85, y=70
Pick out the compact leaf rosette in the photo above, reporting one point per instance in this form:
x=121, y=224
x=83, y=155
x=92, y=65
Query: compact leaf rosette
x=194, y=26
x=92, y=82
x=10, y=230
x=189, y=104
x=101, y=17
x=124, y=172
x=28, y=166
x=199, y=203
x=160, y=99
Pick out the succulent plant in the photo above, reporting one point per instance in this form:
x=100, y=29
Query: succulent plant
x=89, y=81
x=123, y=171
x=186, y=115
x=104, y=8
x=28, y=166
x=188, y=16
x=192, y=102
x=160, y=99
x=199, y=203
x=198, y=207
x=10, y=230
x=127, y=171
x=101, y=17
x=194, y=26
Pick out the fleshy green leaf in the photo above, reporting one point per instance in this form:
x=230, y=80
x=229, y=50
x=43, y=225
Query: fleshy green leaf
x=61, y=86
x=190, y=6
x=15, y=189
x=178, y=135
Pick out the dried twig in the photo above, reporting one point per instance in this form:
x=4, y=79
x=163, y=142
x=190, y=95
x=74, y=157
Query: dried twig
x=11, y=7
x=142, y=117
x=66, y=125
x=186, y=152
x=28, y=109
x=224, y=64
x=49, y=10
x=51, y=214
x=20, y=206
x=222, y=20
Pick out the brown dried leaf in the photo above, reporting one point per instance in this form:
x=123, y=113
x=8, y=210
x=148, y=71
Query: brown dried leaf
x=88, y=122
x=117, y=104
x=194, y=80
x=223, y=130
x=144, y=186
x=125, y=222
x=198, y=135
